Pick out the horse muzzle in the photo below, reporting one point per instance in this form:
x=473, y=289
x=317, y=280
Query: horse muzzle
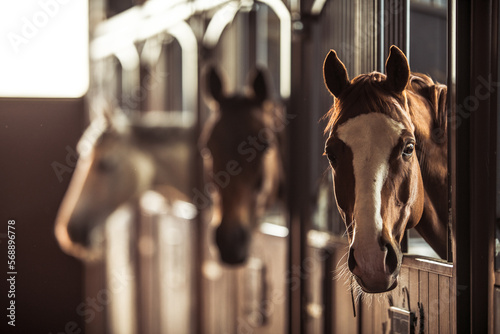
x=81, y=237
x=79, y=232
x=376, y=271
x=233, y=242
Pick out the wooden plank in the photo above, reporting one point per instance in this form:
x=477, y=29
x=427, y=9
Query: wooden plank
x=271, y=309
x=314, y=303
x=366, y=314
x=381, y=322
x=399, y=296
x=344, y=321
x=433, y=304
x=444, y=304
x=436, y=266
x=496, y=311
x=413, y=289
x=404, y=282
x=423, y=278
x=377, y=306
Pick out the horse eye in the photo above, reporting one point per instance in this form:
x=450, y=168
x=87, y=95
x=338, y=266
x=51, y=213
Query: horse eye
x=408, y=150
x=264, y=145
x=105, y=165
x=332, y=158
x=259, y=183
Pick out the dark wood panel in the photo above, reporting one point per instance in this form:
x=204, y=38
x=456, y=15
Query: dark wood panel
x=497, y=309
x=433, y=304
x=444, y=304
x=34, y=134
x=413, y=289
x=424, y=298
x=270, y=251
x=344, y=320
x=400, y=294
x=366, y=314
x=315, y=305
x=380, y=305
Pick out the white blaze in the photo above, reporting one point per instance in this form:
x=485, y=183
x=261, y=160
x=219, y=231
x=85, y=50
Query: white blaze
x=371, y=138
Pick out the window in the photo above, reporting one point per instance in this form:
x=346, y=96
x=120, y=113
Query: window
x=44, y=48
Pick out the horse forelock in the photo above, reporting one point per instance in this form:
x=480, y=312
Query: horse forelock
x=368, y=93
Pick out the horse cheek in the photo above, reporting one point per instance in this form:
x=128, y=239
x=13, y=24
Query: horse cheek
x=343, y=191
x=417, y=208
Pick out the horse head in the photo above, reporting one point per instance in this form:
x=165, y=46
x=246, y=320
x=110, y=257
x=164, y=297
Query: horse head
x=241, y=148
x=376, y=125
x=118, y=161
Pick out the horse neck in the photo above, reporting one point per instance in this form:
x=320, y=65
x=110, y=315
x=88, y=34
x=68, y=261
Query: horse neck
x=432, y=151
x=433, y=160
x=172, y=167
x=277, y=122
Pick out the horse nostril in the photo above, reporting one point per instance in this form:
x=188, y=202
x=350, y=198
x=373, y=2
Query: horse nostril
x=78, y=233
x=391, y=259
x=233, y=243
x=351, y=261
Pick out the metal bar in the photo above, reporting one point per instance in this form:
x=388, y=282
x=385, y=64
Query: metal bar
x=140, y=23
x=183, y=33
x=381, y=35
x=452, y=149
x=285, y=18
x=483, y=169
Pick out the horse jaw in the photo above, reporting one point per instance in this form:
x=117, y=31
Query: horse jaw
x=68, y=206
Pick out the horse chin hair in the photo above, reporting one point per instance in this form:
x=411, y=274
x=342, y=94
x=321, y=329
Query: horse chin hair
x=352, y=286
x=95, y=251
x=342, y=273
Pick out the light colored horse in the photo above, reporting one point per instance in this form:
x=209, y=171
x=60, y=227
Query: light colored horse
x=241, y=145
x=127, y=158
x=387, y=146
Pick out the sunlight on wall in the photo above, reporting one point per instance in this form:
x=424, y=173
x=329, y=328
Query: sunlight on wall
x=44, y=48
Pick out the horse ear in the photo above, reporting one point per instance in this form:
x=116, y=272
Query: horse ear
x=335, y=74
x=259, y=86
x=214, y=87
x=397, y=70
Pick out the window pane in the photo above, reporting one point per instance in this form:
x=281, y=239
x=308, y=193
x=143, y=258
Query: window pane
x=44, y=48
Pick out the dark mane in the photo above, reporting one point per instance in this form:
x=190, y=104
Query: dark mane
x=435, y=94
x=419, y=83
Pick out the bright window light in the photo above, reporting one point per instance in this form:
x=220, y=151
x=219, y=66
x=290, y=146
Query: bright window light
x=44, y=48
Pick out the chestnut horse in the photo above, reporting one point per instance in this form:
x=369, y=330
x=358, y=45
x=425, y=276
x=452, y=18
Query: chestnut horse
x=387, y=146
x=240, y=144
x=119, y=160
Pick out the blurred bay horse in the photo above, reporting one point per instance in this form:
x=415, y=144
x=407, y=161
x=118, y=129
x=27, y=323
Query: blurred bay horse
x=387, y=146
x=120, y=158
x=242, y=152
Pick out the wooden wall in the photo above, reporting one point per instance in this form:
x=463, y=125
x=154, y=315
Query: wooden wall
x=426, y=289
x=34, y=135
x=251, y=298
